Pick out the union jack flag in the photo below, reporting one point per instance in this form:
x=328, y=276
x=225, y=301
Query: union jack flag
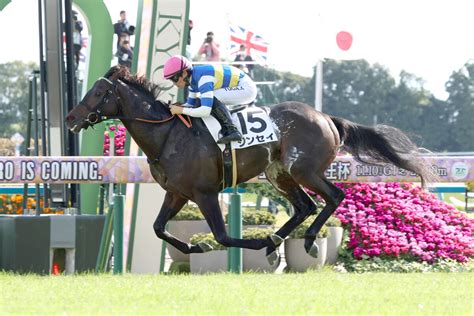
x=256, y=46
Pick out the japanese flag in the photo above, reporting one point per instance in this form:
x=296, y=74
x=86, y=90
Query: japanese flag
x=339, y=38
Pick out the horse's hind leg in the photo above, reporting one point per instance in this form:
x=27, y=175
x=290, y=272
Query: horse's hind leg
x=171, y=206
x=209, y=205
x=302, y=203
x=332, y=195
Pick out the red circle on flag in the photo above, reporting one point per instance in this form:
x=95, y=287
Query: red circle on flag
x=344, y=40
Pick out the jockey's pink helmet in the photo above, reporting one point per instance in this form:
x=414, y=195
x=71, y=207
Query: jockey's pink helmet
x=175, y=64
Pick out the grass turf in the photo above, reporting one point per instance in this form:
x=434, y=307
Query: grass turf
x=308, y=293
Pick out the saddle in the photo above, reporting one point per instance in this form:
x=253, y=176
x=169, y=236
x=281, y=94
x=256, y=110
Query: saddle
x=256, y=128
x=237, y=108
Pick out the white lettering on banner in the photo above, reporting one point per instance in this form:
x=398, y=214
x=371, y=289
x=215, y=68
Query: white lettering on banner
x=70, y=170
x=136, y=169
x=338, y=170
x=27, y=170
x=7, y=170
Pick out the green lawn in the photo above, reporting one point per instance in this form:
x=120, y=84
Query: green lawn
x=248, y=294
x=459, y=197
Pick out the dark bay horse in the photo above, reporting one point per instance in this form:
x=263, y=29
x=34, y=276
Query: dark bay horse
x=187, y=163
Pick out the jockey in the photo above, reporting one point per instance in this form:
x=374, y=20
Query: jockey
x=216, y=85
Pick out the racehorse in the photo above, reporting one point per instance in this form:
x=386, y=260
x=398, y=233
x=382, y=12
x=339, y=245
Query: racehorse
x=187, y=162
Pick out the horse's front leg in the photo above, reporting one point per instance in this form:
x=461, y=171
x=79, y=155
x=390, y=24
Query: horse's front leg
x=171, y=206
x=209, y=205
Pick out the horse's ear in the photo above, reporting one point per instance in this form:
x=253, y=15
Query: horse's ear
x=111, y=72
x=116, y=73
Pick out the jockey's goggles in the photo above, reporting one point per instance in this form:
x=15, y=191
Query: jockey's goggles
x=176, y=77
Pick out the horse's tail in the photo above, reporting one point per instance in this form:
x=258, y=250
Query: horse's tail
x=383, y=143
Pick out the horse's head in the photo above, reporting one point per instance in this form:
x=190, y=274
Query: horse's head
x=98, y=103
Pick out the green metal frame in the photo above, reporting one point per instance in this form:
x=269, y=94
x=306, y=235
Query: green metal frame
x=119, y=203
x=100, y=27
x=234, y=262
x=105, y=240
x=3, y=4
x=180, y=97
x=133, y=222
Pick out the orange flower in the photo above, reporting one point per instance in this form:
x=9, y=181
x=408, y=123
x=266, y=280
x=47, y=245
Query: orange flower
x=19, y=198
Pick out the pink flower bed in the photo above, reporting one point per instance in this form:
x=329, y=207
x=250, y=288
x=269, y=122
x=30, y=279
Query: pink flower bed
x=119, y=134
x=393, y=220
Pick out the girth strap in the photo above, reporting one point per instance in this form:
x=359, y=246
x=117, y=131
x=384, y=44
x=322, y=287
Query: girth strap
x=229, y=166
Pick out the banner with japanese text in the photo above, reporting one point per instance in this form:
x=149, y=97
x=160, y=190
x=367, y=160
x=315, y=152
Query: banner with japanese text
x=135, y=170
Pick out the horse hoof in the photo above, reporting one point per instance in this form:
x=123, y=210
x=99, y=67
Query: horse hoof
x=205, y=247
x=313, y=250
x=273, y=258
x=277, y=240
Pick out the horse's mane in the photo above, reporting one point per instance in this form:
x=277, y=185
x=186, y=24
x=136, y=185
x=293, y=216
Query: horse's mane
x=139, y=82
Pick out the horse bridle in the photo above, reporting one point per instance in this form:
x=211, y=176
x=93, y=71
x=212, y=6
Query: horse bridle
x=95, y=116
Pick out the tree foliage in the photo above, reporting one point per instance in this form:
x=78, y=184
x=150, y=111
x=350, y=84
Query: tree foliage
x=14, y=97
x=461, y=105
x=286, y=87
x=267, y=190
x=368, y=94
x=355, y=90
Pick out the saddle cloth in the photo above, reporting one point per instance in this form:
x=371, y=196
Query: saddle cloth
x=254, y=124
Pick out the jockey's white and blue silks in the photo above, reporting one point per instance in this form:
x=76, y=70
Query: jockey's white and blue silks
x=228, y=84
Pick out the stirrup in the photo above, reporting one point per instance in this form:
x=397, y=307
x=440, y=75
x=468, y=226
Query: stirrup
x=233, y=136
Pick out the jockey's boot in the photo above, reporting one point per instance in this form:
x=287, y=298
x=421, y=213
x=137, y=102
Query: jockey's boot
x=229, y=131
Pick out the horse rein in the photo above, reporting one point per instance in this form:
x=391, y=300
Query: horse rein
x=95, y=116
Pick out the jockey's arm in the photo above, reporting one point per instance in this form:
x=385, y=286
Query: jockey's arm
x=192, y=99
x=206, y=90
x=201, y=111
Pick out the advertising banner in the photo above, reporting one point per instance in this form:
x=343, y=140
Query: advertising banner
x=135, y=169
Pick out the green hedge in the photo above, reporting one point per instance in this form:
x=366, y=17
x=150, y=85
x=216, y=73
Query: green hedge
x=207, y=238
x=254, y=217
x=301, y=230
x=189, y=213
